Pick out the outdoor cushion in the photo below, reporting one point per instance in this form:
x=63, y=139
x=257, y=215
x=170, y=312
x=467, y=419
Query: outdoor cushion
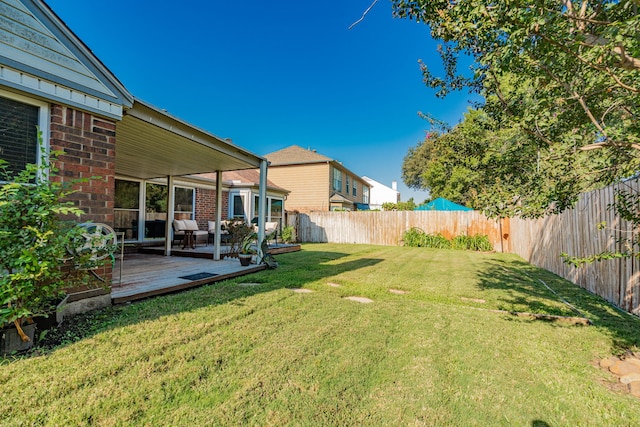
x=190, y=224
x=178, y=225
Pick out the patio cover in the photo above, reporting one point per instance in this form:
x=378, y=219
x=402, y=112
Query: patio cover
x=441, y=204
x=151, y=143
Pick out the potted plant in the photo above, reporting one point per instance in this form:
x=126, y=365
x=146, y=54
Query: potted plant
x=37, y=257
x=248, y=249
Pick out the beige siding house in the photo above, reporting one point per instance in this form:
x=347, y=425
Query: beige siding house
x=316, y=182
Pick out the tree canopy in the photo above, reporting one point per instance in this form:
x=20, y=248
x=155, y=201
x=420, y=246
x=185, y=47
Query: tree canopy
x=561, y=82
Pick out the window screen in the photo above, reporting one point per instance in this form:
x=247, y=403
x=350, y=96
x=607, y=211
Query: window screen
x=18, y=134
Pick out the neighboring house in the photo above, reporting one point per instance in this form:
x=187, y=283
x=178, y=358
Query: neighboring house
x=381, y=194
x=316, y=182
x=51, y=80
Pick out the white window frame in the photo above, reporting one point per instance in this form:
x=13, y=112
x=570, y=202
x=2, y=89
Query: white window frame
x=43, y=121
x=337, y=180
x=247, y=203
x=141, y=205
x=193, y=200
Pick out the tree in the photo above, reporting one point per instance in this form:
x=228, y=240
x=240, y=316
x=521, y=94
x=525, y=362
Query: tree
x=574, y=102
x=496, y=169
x=583, y=59
x=577, y=68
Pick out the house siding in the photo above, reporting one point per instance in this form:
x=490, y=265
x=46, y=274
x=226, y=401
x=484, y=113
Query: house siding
x=310, y=185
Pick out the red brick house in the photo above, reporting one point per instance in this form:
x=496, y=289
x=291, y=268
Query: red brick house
x=50, y=79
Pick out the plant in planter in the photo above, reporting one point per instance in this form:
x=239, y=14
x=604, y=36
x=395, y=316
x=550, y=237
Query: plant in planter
x=238, y=231
x=248, y=249
x=37, y=256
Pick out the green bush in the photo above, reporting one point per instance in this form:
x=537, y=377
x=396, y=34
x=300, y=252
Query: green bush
x=478, y=242
x=40, y=254
x=288, y=234
x=417, y=238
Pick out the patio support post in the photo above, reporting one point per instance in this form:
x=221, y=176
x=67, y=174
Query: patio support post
x=216, y=239
x=168, y=229
x=262, y=209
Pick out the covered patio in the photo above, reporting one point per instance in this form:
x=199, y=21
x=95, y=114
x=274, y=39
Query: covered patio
x=151, y=145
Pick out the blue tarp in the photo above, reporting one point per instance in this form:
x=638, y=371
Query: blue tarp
x=441, y=204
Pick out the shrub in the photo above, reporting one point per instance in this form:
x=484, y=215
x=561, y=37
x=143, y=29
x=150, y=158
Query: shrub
x=40, y=254
x=478, y=242
x=415, y=237
x=288, y=234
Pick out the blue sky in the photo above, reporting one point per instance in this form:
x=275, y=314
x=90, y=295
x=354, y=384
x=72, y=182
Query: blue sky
x=272, y=74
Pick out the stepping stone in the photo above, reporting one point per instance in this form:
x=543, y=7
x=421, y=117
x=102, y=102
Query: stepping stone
x=622, y=367
x=301, y=290
x=608, y=362
x=363, y=300
x=334, y=285
x=249, y=284
x=398, y=291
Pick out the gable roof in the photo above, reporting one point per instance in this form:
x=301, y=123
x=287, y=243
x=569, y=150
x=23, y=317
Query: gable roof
x=44, y=57
x=295, y=155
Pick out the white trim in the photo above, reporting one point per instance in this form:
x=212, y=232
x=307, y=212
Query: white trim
x=58, y=93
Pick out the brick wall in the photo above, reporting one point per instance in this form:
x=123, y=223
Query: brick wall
x=205, y=206
x=89, y=144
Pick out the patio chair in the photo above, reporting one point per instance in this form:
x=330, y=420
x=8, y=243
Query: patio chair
x=224, y=233
x=181, y=226
x=271, y=231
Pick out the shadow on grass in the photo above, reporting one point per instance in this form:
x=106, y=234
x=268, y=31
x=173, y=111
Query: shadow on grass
x=294, y=271
x=521, y=284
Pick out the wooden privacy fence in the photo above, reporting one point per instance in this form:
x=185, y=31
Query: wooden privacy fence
x=540, y=241
x=386, y=228
x=590, y=228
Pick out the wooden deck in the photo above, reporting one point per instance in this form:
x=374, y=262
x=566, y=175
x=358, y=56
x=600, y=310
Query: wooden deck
x=149, y=274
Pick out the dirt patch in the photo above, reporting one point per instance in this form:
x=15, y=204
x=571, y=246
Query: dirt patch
x=398, y=291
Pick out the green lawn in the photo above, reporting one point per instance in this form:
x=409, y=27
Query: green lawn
x=265, y=355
